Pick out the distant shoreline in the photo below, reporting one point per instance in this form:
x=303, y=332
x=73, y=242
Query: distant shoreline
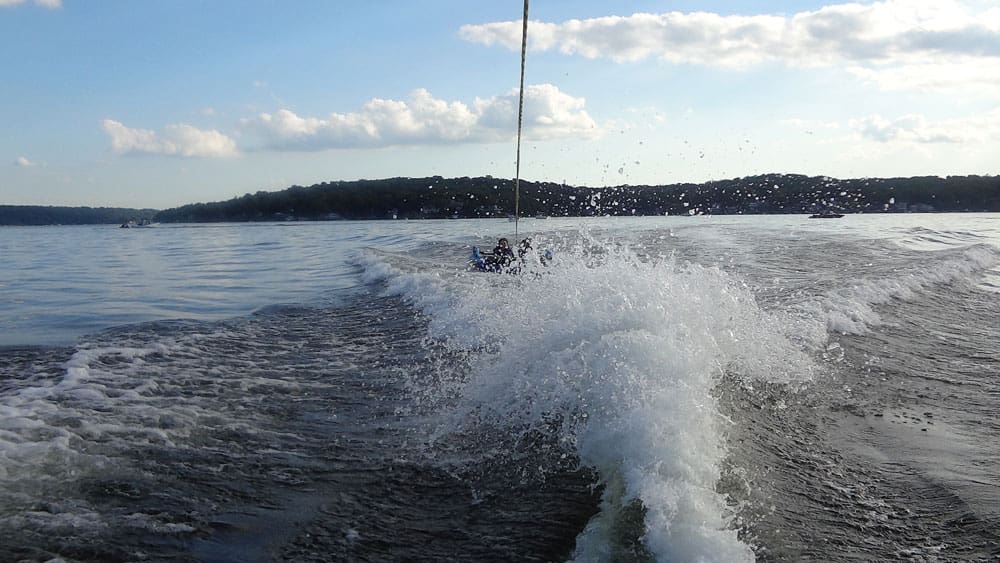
x=487, y=197
x=523, y=218
x=40, y=215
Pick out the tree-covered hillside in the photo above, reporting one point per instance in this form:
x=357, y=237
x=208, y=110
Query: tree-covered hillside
x=437, y=197
x=45, y=215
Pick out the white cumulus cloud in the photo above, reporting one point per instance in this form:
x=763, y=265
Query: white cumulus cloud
x=955, y=77
x=173, y=140
x=916, y=128
x=548, y=114
x=902, y=38
x=424, y=119
x=23, y=162
x=50, y=4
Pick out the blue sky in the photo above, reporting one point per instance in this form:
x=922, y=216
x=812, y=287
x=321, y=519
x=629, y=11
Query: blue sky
x=164, y=102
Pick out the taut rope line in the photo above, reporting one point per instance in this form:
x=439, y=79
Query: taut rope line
x=520, y=118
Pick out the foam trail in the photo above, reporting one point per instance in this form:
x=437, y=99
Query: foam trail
x=35, y=440
x=621, y=357
x=851, y=310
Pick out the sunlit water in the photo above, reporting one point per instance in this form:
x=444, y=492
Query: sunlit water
x=674, y=389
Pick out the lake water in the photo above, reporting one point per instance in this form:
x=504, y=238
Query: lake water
x=668, y=388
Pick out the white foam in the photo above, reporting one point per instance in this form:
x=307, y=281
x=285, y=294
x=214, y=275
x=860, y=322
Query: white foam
x=624, y=355
x=79, y=521
x=851, y=309
x=105, y=395
x=146, y=522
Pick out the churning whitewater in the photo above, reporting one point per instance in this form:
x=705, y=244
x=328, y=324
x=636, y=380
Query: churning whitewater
x=618, y=355
x=703, y=389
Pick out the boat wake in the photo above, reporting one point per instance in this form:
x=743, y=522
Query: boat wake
x=615, y=358
x=852, y=309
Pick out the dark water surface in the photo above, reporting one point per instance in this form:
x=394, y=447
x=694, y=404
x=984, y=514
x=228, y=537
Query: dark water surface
x=667, y=389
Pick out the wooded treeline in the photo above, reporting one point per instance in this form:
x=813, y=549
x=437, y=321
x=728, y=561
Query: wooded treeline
x=48, y=215
x=437, y=197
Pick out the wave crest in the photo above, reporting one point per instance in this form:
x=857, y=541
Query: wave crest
x=619, y=354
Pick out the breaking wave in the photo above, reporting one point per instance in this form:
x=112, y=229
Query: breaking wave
x=618, y=356
x=852, y=309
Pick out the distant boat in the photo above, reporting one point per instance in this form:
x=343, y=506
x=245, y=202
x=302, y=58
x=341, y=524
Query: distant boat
x=826, y=215
x=136, y=224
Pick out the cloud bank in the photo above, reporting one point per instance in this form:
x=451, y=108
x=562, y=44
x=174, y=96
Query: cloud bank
x=915, y=128
x=424, y=119
x=174, y=140
x=897, y=44
x=50, y=4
